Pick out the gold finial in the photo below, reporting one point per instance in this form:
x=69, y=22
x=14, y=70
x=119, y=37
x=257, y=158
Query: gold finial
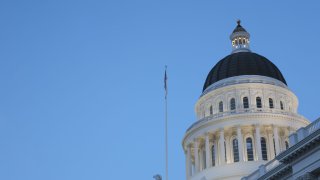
x=238, y=22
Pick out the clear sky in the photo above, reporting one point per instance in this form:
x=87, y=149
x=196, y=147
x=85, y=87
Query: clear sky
x=81, y=82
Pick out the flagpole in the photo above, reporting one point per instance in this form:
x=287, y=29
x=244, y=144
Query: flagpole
x=166, y=121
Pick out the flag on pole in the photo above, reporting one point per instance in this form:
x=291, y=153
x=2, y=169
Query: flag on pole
x=165, y=82
x=166, y=119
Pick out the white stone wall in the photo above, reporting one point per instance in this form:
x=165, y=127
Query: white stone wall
x=250, y=90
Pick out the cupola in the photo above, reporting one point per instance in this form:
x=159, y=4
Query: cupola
x=240, y=39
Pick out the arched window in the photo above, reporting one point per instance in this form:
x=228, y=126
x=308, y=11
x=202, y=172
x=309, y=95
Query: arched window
x=235, y=150
x=249, y=149
x=211, y=110
x=271, y=103
x=232, y=104
x=220, y=106
x=264, y=149
x=245, y=102
x=281, y=105
x=259, y=104
x=287, y=144
x=213, y=157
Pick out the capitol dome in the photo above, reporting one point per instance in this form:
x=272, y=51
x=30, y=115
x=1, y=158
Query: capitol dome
x=245, y=115
x=243, y=63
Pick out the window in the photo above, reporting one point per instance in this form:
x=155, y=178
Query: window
x=287, y=144
x=213, y=156
x=274, y=147
x=235, y=150
x=232, y=104
x=264, y=149
x=259, y=104
x=245, y=102
x=271, y=103
x=220, y=106
x=249, y=149
x=281, y=105
x=225, y=151
x=211, y=110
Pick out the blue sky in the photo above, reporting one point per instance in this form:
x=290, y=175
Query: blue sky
x=81, y=82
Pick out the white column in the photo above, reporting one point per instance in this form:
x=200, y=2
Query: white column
x=188, y=163
x=271, y=146
x=207, y=144
x=196, y=156
x=228, y=151
x=200, y=159
x=258, y=143
x=216, y=156
x=221, y=145
x=240, y=144
x=276, y=139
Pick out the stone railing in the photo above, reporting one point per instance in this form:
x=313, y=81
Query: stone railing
x=271, y=164
x=262, y=170
x=253, y=176
x=304, y=132
x=243, y=111
x=315, y=125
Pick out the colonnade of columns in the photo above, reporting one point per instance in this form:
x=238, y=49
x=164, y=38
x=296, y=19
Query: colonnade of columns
x=217, y=148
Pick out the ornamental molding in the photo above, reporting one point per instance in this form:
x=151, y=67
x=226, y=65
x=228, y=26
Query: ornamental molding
x=244, y=79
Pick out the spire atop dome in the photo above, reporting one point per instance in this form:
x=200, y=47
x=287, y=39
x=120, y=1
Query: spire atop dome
x=240, y=39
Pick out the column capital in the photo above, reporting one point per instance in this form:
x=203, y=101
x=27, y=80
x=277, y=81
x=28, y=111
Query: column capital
x=221, y=130
x=196, y=139
x=257, y=125
x=188, y=145
x=207, y=134
x=196, y=143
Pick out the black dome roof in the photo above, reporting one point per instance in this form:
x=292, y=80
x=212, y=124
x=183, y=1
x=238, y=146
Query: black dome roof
x=243, y=63
x=239, y=28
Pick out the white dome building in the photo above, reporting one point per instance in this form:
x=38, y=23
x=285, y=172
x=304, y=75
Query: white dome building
x=244, y=116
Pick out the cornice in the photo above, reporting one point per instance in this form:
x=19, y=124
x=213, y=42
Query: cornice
x=303, y=146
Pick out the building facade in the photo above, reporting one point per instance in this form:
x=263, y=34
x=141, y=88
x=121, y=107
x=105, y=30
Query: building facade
x=301, y=161
x=244, y=116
